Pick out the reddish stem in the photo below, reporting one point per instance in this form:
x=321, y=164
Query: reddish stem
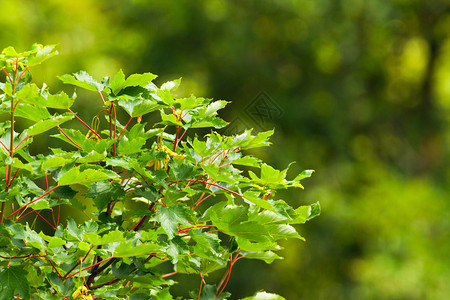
x=46, y=180
x=9, y=77
x=59, y=213
x=43, y=218
x=86, y=215
x=115, y=119
x=15, y=105
x=75, y=144
x=181, y=137
x=21, y=142
x=91, y=266
x=201, y=286
x=125, y=127
x=6, y=177
x=216, y=185
x=175, y=142
x=23, y=216
x=137, y=223
x=53, y=217
x=174, y=112
x=195, y=226
x=201, y=200
x=20, y=208
x=14, y=177
x=23, y=72
x=103, y=99
x=78, y=262
x=169, y=274
x=6, y=148
x=84, y=123
x=228, y=276
x=222, y=152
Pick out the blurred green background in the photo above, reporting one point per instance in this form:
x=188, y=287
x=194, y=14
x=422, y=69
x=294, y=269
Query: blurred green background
x=358, y=90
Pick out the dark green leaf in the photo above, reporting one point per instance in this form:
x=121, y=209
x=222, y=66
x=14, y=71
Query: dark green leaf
x=171, y=217
x=14, y=282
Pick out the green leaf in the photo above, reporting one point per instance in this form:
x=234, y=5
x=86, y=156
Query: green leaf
x=76, y=176
x=223, y=215
x=249, y=246
x=171, y=217
x=253, y=197
x=214, y=122
x=248, y=160
x=200, y=147
x=10, y=52
x=117, y=82
x=82, y=79
x=138, y=107
x=267, y=256
x=14, y=282
x=65, y=192
x=40, y=204
x=206, y=242
x=92, y=156
x=139, y=79
x=28, y=94
x=304, y=174
x=42, y=53
x=218, y=174
x=65, y=288
x=56, y=242
x=112, y=237
x=171, y=85
x=190, y=103
x=127, y=249
x=211, y=109
x=248, y=230
x=127, y=146
x=31, y=112
x=18, y=164
x=61, y=101
x=270, y=175
x=73, y=230
x=282, y=231
x=47, y=124
x=260, y=140
x=306, y=213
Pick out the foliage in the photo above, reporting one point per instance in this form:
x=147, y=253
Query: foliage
x=160, y=202
x=363, y=86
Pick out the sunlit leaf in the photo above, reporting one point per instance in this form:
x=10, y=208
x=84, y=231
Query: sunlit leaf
x=47, y=124
x=76, y=176
x=82, y=79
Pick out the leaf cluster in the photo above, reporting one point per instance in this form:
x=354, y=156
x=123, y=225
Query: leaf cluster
x=162, y=201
